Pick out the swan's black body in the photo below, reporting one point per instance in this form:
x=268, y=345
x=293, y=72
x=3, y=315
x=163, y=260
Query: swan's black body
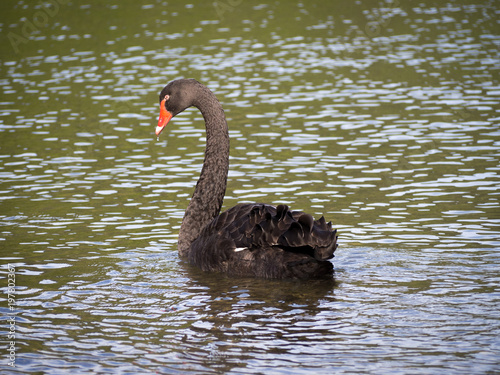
x=255, y=240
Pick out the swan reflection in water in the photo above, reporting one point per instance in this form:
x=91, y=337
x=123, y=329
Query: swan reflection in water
x=227, y=319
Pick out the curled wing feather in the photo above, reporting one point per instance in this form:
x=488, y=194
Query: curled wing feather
x=251, y=231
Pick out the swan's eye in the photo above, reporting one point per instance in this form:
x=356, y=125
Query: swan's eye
x=166, y=97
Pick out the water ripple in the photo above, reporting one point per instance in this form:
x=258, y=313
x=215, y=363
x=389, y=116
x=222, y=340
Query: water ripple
x=381, y=118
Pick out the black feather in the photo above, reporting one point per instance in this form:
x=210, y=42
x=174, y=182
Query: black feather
x=275, y=244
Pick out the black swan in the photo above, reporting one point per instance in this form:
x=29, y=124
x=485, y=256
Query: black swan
x=251, y=240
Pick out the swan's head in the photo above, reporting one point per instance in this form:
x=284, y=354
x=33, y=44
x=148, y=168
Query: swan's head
x=175, y=98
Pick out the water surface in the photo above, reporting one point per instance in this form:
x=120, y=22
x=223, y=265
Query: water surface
x=381, y=116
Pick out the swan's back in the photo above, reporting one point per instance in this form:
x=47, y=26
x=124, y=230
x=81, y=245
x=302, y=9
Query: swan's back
x=265, y=241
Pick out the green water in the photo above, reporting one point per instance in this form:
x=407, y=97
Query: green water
x=381, y=116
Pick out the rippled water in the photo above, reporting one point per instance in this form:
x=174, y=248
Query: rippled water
x=382, y=116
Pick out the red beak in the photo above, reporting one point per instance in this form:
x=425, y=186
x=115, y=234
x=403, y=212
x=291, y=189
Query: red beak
x=165, y=117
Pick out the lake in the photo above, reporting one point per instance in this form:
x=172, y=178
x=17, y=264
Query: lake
x=383, y=116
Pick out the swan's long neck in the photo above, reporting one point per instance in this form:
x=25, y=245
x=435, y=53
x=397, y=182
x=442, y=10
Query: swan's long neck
x=207, y=198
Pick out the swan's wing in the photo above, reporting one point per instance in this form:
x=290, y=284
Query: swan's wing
x=255, y=226
x=267, y=241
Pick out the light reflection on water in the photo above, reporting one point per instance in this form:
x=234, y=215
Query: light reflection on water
x=387, y=126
